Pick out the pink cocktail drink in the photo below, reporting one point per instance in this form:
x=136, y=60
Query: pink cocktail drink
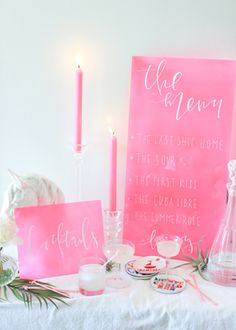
x=122, y=252
x=168, y=248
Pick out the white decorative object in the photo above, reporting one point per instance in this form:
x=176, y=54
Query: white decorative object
x=29, y=190
x=8, y=233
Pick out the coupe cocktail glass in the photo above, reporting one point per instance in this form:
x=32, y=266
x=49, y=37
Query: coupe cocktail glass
x=119, y=251
x=168, y=246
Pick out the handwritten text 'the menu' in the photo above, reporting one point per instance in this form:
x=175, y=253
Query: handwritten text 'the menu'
x=168, y=93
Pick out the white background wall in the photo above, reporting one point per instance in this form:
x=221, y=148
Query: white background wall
x=39, y=40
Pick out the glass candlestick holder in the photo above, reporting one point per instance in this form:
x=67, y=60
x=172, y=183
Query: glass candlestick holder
x=113, y=225
x=78, y=153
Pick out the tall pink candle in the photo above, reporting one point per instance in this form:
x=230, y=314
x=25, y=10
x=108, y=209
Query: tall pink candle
x=78, y=113
x=113, y=172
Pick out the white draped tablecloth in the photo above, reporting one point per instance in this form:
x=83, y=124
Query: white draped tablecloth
x=137, y=307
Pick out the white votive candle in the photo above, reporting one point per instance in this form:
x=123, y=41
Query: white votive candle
x=92, y=279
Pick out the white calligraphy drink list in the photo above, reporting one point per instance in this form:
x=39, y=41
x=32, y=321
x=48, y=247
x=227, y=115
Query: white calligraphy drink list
x=55, y=237
x=180, y=123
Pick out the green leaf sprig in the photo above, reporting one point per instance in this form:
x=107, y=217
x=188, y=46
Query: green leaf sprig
x=200, y=263
x=27, y=290
x=110, y=266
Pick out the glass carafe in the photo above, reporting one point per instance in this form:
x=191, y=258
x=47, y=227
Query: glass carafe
x=222, y=258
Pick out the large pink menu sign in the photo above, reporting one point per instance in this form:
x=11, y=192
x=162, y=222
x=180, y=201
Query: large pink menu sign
x=181, y=113
x=55, y=237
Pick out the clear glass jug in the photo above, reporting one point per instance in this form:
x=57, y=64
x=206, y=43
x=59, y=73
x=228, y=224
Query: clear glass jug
x=222, y=258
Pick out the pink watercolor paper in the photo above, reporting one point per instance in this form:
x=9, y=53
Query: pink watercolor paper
x=55, y=237
x=180, y=124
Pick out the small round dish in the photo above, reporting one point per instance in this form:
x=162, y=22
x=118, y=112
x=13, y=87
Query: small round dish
x=134, y=274
x=149, y=265
x=171, y=285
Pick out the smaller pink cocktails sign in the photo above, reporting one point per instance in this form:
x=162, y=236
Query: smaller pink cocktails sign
x=55, y=237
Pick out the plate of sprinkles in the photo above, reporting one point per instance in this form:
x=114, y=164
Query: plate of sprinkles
x=149, y=265
x=170, y=285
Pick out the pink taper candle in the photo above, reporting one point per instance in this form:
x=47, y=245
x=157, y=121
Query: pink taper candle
x=113, y=172
x=78, y=114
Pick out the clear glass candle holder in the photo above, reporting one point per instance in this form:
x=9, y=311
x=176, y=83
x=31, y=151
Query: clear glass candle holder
x=78, y=152
x=113, y=225
x=92, y=276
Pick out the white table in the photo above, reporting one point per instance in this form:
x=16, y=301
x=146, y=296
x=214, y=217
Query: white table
x=138, y=307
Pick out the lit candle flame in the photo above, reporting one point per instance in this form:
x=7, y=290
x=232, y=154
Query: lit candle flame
x=78, y=61
x=111, y=130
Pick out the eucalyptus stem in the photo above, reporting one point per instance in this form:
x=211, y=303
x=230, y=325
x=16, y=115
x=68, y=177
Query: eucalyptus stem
x=1, y=264
x=1, y=268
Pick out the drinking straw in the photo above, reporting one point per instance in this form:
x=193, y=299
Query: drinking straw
x=197, y=286
x=112, y=257
x=202, y=293
x=62, y=292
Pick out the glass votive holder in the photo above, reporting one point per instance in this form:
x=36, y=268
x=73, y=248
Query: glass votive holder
x=92, y=276
x=113, y=225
